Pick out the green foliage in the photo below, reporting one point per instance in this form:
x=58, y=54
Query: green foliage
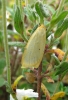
x=18, y=23
x=30, y=13
x=37, y=7
x=62, y=69
x=17, y=44
x=63, y=26
x=42, y=10
x=55, y=19
x=2, y=81
x=25, y=21
x=34, y=28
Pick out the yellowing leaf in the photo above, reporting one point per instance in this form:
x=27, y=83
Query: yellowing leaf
x=30, y=77
x=58, y=52
x=34, y=49
x=45, y=91
x=14, y=85
x=58, y=95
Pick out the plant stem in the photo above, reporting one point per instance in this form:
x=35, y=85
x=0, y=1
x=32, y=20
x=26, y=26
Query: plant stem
x=16, y=2
x=26, y=2
x=39, y=79
x=6, y=43
x=60, y=7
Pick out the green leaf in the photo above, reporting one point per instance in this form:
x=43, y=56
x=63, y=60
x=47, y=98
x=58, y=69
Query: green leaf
x=34, y=28
x=61, y=28
x=18, y=23
x=46, y=23
x=31, y=2
x=2, y=81
x=30, y=13
x=51, y=8
x=44, y=10
x=18, y=44
x=37, y=7
x=55, y=42
x=55, y=19
x=62, y=69
x=2, y=64
x=11, y=11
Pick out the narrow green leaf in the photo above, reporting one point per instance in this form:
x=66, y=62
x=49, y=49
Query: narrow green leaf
x=34, y=28
x=63, y=26
x=18, y=23
x=37, y=7
x=55, y=19
x=10, y=10
x=30, y=13
x=46, y=23
x=51, y=8
x=62, y=68
x=44, y=10
x=18, y=44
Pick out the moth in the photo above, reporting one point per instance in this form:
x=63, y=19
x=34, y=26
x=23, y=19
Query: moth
x=34, y=49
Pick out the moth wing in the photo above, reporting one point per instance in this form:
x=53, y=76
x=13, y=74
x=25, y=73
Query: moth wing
x=35, y=48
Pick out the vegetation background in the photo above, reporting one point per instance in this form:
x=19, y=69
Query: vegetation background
x=21, y=23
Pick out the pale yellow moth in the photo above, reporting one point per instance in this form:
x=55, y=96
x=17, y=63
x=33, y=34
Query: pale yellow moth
x=34, y=49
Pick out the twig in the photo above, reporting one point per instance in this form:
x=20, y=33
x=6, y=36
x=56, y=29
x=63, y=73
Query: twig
x=39, y=79
x=16, y=1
